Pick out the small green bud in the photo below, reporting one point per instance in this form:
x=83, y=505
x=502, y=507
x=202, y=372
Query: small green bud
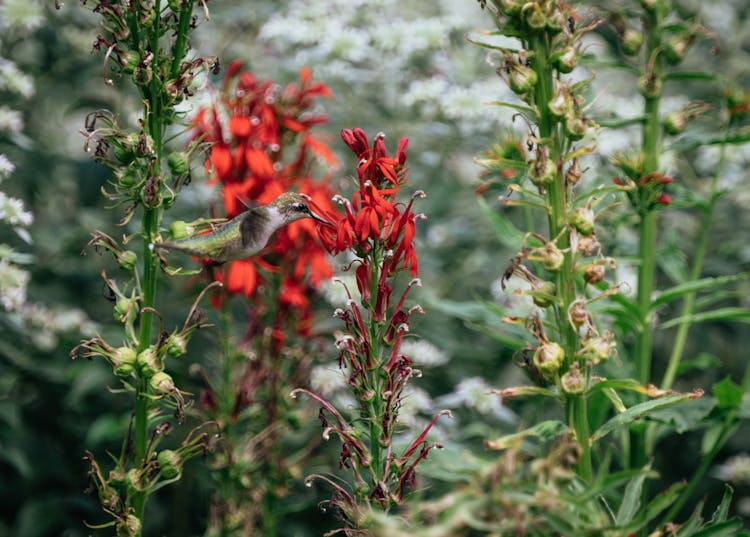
x=583, y=220
x=133, y=481
x=170, y=464
x=632, y=40
x=178, y=163
x=548, y=358
x=149, y=363
x=561, y=103
x=162, y=383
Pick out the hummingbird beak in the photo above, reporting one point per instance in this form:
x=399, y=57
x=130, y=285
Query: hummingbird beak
x=314, y=216
x=320, y=219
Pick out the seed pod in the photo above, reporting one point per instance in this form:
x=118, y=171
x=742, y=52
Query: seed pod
x=180, y=230
x=125, y=309
x=130, y=526
x=561, y=103
x=170, y=464
x=178, y=163
x=522, y=79
x=548, y=358
x=594, y=273
x=546, y=295
x=552, y=257
x=123, y=361
x=162, y=383
x=566, y=60
x=572, y=381
x=583, y=220
x=543, y=171
x=127, y=260
x=632, y=40
x=149, y=363
x=597, y=349
x=177, y=344
x=535, y=17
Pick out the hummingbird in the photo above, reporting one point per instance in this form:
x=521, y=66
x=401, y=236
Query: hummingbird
x=247, y=233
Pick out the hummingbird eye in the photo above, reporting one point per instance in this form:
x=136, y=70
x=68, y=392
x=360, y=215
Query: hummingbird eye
x=300, y=207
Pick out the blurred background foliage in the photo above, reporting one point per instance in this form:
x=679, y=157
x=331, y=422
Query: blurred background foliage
x=403, y=67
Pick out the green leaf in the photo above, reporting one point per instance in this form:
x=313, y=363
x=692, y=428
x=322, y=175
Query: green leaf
x=518, y=107
x=690, y=75
x=728, y=393
x=640, y=411
x=545, y=430
x=654, y=507
x=619, y=122
x=722, y=529
x=631, y=500
x=702, y=362
x=722, y=510
x=721, y=314
x=505, y=231
x=704, y=284
x=687, y=417
x=518, y=391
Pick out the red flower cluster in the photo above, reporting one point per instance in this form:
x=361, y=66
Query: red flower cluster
x=261, y=147
x=373, y=217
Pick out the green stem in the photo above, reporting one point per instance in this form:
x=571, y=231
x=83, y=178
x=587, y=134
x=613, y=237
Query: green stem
x=557, y=198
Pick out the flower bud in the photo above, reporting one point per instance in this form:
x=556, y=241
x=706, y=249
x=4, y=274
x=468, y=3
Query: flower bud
x=548, y=358
x=631, y=41
x=133, y=481
x=178, y=163
x=148, y=362
x=578, y=314
x=522, y=79
x=674, y=123
x=170, y=464
x=583, y=220
x=511, y=7
x=572, y=381
x=162, y=383
x=574, y=173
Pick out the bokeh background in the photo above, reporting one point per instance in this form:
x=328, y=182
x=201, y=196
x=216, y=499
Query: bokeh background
x=404, y=67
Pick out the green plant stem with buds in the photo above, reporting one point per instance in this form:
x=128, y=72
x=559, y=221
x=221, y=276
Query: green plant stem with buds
x=557, y=196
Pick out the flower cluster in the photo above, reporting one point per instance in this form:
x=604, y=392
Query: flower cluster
x=378, y=230
x=263, y=150
x=645, y=191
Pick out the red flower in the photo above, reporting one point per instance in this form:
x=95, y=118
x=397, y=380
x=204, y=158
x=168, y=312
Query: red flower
x=264, y=150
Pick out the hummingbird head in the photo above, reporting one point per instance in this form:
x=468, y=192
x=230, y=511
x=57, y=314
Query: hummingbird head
x=292, y=207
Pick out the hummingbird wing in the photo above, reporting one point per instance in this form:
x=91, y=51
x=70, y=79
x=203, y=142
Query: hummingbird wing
x=253, y=227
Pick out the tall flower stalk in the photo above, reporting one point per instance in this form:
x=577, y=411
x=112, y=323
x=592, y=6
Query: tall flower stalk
x=378, y=230
x=147, y=43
